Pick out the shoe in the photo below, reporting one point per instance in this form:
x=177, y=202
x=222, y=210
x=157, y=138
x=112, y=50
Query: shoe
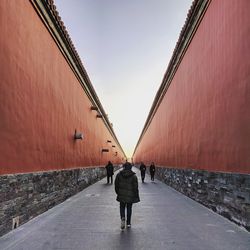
x=122, y=224
x=128, y=225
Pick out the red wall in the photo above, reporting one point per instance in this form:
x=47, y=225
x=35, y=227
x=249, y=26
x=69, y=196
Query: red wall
x=42, y=102
x=203, y=121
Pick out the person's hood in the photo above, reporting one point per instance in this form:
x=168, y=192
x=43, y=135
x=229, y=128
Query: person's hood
x=127, y=173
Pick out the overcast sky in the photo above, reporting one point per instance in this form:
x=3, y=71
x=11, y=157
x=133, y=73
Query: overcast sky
x=125, y=46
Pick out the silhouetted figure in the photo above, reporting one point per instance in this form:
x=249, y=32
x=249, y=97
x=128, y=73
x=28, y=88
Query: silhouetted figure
x=126, y=188
x=143, y=171
x=110, y=172
x=152, y=171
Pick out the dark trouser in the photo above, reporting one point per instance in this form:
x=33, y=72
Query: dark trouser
x=111, y=176
x=142, y=176
x=129, y=211
x=152, y=176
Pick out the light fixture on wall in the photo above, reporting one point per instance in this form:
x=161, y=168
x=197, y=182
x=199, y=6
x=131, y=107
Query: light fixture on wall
x=98, y=116
x=93, y=108
x=105, y=150
x=78, y=136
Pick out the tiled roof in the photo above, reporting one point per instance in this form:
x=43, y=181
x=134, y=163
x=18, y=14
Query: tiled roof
x=60, y=24
x=55, y=13
x=185, y=29
x=196, y=10
x=52, y=10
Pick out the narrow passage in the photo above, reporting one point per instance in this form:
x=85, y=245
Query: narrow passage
x=164, y=219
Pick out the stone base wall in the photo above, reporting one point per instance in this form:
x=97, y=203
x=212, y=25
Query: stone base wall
x=24, y=196
x=225, y=193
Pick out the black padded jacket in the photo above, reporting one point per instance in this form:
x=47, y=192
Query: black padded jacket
x=126, y=187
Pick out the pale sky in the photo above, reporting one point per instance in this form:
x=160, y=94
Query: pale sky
x=125, y=47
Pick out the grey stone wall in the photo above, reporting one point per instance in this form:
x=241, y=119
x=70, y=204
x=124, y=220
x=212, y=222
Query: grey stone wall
x=225, y=193
x=24, y=196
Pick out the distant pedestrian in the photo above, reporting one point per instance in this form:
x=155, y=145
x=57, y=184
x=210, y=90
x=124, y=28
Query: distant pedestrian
x=152, y=171
x=143, y=171
x=110, y=172
x=126, y=188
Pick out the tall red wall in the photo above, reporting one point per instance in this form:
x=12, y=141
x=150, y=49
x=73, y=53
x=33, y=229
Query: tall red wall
x=42, y=102
x=203, y=121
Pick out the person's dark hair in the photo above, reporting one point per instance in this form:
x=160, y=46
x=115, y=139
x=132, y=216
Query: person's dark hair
x=127, y=166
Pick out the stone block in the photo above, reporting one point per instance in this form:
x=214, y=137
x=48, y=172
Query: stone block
x=28, y=195
x=225, y=193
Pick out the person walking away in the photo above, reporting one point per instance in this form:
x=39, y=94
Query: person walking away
x=110, y=172
x=126, y=188
x=152, y=171
x=143, y=171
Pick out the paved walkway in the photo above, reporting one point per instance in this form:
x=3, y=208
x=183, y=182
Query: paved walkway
x=164, y=219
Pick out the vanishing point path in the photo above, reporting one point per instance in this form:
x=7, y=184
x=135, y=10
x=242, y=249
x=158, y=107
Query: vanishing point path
x=164, y=219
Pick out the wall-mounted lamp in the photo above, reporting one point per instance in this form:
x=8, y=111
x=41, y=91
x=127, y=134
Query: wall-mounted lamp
x=78, y=136
x=113, y=146
x=108, y=141
x=98, y=116
x=94, y=108
x=105, y=150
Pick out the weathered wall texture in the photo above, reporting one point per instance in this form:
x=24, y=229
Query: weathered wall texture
x=42, y=101
x=28, y=195
x=203, y=121
x=225, y=193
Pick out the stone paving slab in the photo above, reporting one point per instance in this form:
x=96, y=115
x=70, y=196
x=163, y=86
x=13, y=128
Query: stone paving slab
x=164, y=219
